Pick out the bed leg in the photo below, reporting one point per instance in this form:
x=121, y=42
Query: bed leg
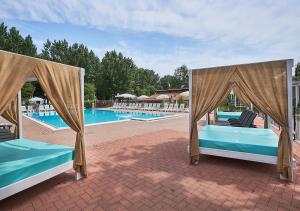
x=294, y=167
x=78, y=176
x=282, y=177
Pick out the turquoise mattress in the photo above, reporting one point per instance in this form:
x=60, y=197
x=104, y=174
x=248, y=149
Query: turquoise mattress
x=22, y=158
x=229, y=115
x=250, y=140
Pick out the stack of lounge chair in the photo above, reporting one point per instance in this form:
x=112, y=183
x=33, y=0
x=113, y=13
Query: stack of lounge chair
x=246, y=120
x=168, y=107
x=41, y=108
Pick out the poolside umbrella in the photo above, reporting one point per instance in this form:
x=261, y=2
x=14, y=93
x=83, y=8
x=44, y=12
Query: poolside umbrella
x=163, y=97
x=126, y=95
x=142, y=97
x=183, y=95
x=36, y=99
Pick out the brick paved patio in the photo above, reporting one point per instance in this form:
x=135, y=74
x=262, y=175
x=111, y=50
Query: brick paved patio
x=151, y=172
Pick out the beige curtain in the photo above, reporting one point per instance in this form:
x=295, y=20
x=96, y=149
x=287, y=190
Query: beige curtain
x=266, y=85
x=209, y=89
x=14, y=70
x=240, y=95
x=62, y=86
x=12, y=115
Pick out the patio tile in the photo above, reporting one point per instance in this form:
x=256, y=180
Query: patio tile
x=150, y=171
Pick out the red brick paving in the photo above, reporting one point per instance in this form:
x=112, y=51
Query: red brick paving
x=151, y=172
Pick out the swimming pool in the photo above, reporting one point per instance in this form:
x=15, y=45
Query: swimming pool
x=92, y=117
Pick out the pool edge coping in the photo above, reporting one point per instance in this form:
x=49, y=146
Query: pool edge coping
x=100, y=123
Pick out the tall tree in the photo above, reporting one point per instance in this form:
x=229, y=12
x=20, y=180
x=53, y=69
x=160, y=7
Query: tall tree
x=297, y=72
x=77, y=55
x=11, y=40
x=182, y=76
x=115, y=75
x=144, y=82
x=27, y=91
x=169, y=82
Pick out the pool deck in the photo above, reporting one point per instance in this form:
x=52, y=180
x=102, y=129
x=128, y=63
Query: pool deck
x=144, y=166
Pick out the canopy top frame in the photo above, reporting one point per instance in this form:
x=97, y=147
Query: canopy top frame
x=289, y=62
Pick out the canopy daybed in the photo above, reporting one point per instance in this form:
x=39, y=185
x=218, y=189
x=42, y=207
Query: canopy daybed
x=23, y=162
x=267, y=85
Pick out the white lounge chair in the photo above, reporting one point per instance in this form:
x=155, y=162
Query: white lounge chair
x=165, y=108
x=47, y=107
x=52, y=108
x=187, y=110
x=41, y=108
x=23, y=109
x=157, y=106
x=181, y=108
x=175, y=108
x=123, y=106
x=136, y=106
x=120, y=105
x=145, y=106
x=149, y=107
x=139, y=106
x=170, y=107
x=29, y=109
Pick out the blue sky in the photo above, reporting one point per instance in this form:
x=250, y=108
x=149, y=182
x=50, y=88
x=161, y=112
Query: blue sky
x=163, y=35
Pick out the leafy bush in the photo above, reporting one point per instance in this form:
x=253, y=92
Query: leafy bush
x=88, y=104
x=89, y=91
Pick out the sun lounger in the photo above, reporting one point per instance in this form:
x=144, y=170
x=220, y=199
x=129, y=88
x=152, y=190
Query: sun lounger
x=149, y=107
x=175, y=108
x=133, y=106
x=23, y=109
x=154, y=106
x=145, y=106
x=181, y=108
x=29, y=109
x=170, y=107
x=41, y=108
x=124, y=106
x=5, y=135
x=187, y=110
x=244, y=115
x=52, y=108
x=248, y=122
x=165, y=108
x=47, y=107
x=157, y=106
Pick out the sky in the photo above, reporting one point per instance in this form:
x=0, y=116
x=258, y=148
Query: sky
x=163, y=35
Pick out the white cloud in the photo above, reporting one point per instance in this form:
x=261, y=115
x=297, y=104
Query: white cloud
x=269, y=28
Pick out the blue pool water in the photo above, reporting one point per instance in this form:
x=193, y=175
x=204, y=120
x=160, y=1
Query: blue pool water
x=94, y=116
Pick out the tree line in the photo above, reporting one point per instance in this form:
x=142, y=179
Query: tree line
x=104, y=78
